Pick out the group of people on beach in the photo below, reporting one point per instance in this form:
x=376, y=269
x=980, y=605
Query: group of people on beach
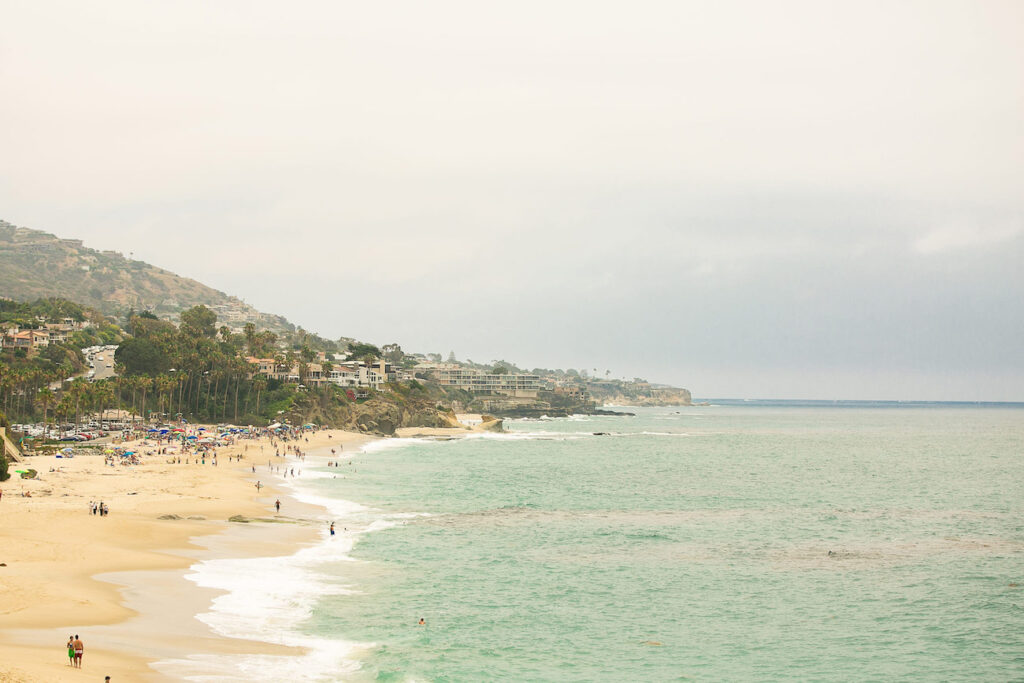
x=99, y=507
x=75, y=651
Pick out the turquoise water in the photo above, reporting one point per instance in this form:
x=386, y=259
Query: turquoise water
x=692, y=544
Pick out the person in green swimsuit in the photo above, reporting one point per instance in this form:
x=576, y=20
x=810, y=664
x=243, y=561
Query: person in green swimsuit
x=71, y=650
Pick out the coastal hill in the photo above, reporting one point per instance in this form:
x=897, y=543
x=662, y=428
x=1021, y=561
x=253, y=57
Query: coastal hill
x=36, y=264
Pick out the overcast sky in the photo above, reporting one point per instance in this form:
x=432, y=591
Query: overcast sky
x=749, y=199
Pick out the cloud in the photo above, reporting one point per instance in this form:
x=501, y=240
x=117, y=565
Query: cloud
x=966, y=237
x=794, y=189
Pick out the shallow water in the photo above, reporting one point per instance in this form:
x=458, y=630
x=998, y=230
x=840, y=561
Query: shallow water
x=734, y=542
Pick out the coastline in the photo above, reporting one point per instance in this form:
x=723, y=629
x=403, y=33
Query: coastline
x=120, y=581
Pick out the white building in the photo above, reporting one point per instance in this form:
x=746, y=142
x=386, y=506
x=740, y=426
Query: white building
x=518, y=386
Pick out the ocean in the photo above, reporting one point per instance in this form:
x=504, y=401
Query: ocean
x=737, y=541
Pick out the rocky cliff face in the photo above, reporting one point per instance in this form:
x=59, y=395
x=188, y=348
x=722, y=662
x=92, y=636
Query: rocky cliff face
x=381, y=415
x=657, y=397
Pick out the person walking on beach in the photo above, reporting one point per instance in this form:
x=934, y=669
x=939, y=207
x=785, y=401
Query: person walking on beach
x=79, y=651
x=332, y=528
x=71, y=650
x=277, y=504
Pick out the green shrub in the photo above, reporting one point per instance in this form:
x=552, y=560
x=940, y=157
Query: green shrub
x=4, y=474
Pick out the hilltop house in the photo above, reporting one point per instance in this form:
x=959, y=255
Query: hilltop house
x=344, y=375
x=13, y=337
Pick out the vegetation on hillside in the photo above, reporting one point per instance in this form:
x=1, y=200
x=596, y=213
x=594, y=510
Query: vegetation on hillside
x=35, y=264
x=197, y=370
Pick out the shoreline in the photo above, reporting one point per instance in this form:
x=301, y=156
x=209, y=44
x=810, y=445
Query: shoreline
x=122, y=578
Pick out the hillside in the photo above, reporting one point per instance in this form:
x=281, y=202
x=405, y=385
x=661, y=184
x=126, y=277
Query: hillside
x=35, y=264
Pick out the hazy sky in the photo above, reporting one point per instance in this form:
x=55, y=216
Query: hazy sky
x=749, y=199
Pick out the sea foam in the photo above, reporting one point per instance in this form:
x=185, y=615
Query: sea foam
x=269, y=599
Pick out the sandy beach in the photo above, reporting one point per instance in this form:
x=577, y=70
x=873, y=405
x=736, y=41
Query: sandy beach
x=118, y=581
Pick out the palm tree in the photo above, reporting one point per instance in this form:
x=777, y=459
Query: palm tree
x=249, y=330
x=144, y=383
x=76, y=391
x=46, y=399
x=104, y=392
x=65, y=408
x=164, y=388
x=182, y=379
x=260, y=384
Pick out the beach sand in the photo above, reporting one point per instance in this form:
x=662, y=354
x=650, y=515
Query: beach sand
x=141, y=609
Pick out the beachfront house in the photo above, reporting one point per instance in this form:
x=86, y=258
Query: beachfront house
x=479, y=382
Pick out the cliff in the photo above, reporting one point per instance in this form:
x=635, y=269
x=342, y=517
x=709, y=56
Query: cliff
x=382, y=414
x=657, y=397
